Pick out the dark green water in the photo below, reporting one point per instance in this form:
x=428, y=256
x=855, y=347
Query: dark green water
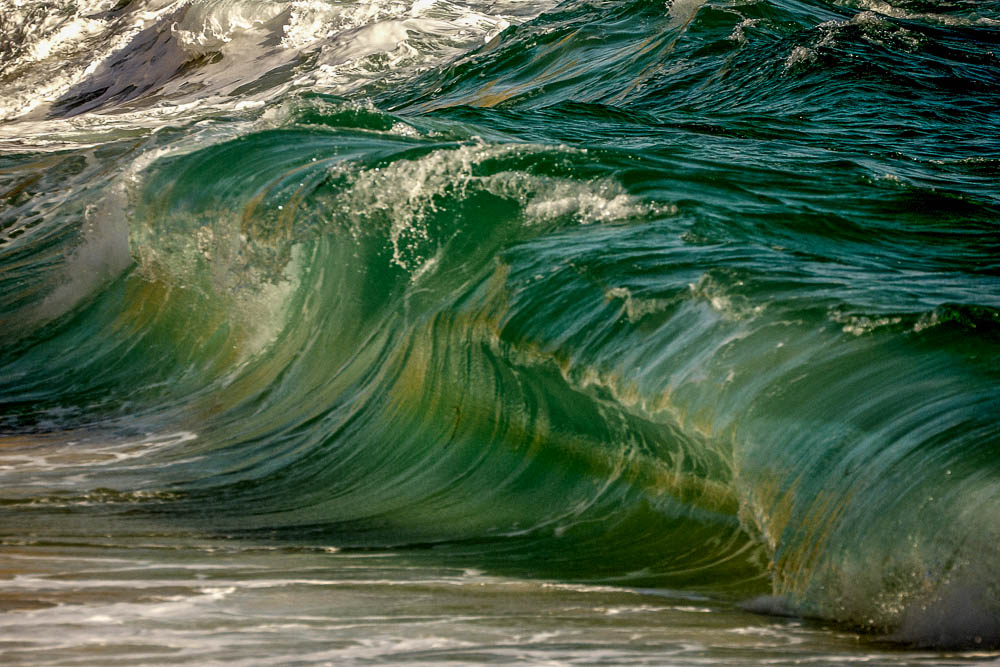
x=585, y=332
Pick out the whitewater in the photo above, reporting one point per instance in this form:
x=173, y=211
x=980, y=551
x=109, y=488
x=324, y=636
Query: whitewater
x=513, y=331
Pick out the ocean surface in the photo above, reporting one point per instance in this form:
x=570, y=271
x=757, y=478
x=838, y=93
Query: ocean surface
x=499, y=331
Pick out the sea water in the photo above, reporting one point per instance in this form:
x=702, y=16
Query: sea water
x=579, y=332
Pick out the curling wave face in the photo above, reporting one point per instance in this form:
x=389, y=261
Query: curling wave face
x=702, y=295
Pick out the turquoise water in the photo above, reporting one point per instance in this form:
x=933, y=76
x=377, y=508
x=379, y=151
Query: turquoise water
x=579, y=332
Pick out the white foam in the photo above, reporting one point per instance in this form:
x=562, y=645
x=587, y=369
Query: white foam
x=723, y=300
x=636, y=308
x=62, y=45
x=859, y=325
x=407, y=192
x=84, y=47
x=885, y=8
x=208, y=27
x=101, y=256
x=78, y=463
x=683, y=12
x=800, y=55
x=870, y=25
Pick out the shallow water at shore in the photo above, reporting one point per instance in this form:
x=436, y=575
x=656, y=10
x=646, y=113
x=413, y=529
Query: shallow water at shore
x=181, y=600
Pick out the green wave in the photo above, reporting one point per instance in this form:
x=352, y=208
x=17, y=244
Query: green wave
x=658, y=306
